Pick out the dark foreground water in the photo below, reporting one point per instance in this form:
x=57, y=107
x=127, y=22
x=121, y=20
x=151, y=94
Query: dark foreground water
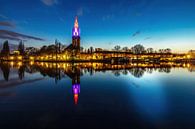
x=49, y=95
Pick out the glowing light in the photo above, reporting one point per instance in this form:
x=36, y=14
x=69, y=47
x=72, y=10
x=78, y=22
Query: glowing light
x=31, y=58
x=76, y=88
x=76, y=24
x=76, y=30
x=11, y=58
x=19, y=64
x=12, y=63
x=76, y=91
x=32, y=62
x=19, y=57
x=76, y=97
x=188, y=65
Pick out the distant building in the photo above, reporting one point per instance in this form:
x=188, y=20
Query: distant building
x=191, y=53
x=98, y=49
x=31, y=50
x=16, y=52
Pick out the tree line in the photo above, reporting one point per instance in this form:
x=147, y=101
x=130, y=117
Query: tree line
x=57, y=47
x=140, y=49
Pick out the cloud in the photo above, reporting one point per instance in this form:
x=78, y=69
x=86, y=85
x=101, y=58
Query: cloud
x=138, y=14
x=108, y=17
x=7, y=23
x=3, y=16
x=49, y=2
x=136, y=33
x=80, y=12
x=147, y=38
x=9, y=38
x=5, y=34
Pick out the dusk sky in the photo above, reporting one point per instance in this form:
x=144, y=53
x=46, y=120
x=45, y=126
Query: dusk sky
x=103, y=23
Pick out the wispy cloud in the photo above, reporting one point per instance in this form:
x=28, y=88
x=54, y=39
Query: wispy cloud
x=9, y=38
x=136, y=33
x=147, y=38
x=49, y=2
x=80, y=12
x=5, y=34
x=108, y=17
x=6, y=23
x=3, y=16
x=138, y=14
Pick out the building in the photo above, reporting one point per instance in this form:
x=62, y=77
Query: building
x=191, y=54
x=74, y=48
x=76, y=35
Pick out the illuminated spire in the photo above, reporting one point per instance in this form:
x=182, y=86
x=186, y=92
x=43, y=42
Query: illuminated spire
x=76, y=24
x=76, y=30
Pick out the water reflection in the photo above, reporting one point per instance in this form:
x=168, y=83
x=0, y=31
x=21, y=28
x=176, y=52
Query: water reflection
x=76, y=70
x=6, y=70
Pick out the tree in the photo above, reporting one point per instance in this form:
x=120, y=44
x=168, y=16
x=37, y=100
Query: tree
x=57, y=46
x=6, y=70
x=125, y=49
x=168, y=50
x=5, y=51
x=138, y=49
x=150, y=50
x=81, y=49
x=21, y=48
x=91, y=49
x=43, y=49
x=51, y=49
x=117, y=48
x=161, y=50
x=31, y=51
x=137, y=72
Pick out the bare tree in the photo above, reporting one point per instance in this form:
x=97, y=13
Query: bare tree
x=125, y=49
x=81, y=49
x=138, y=49
x=150, y=50
x=168, y=50
x=117, y=48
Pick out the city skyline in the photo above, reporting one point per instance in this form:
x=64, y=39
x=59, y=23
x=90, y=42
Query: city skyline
x=157, y=24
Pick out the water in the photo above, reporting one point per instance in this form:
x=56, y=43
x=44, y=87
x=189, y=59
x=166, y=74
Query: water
x=95, y=95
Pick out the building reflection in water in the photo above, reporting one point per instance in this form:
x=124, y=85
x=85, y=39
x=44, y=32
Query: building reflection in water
x=74, y=71
x=5, y=68
x=76, y=91
x=76, y=83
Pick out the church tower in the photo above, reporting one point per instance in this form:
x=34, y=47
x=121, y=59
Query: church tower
x=76, y=36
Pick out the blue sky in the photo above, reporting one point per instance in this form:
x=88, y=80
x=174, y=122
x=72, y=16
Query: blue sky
x=103, y=23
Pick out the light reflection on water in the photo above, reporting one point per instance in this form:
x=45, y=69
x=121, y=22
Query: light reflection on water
x=47, y=95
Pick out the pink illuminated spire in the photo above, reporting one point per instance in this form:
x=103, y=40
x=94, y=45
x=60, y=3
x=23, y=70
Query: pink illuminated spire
x=76, y=30
x=76, y=24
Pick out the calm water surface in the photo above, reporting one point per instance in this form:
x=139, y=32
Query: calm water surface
x=50, y=95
